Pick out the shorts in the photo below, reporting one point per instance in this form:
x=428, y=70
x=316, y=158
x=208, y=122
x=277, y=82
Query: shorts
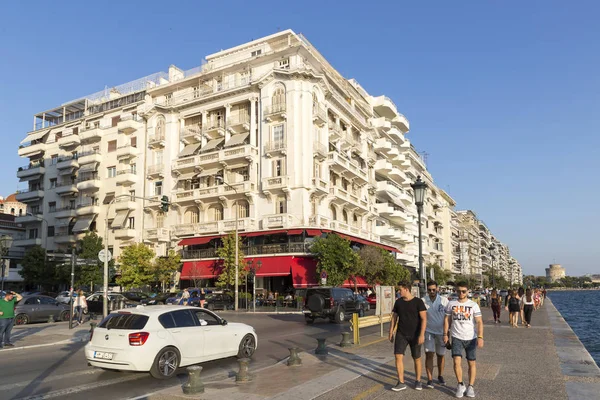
x=514, y=308
x=434, y=343
x=400, y=346
x=470, y=346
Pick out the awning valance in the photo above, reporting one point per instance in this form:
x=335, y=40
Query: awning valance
x=120, y=218
x=206, y=269
x=187, y=176
x=35, y=136
x=210, y=171
x=295, y=231
x=198, y=240
x=212, y=145
x=91, y=167
x=83, y=224
x=237, y=139
x=274, y=266
x=313, y=232
x=189, y=150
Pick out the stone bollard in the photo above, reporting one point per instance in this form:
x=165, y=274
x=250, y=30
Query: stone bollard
x=294, y=357
x=51, y=319
x=243, y=375
x=345, y=340
x=321, y=349
x=92, y=327
x=194, y=384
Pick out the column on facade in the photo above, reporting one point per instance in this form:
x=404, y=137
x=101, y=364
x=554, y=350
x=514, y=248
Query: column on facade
x=204, y=126
x=227, y=118
x=253, y=126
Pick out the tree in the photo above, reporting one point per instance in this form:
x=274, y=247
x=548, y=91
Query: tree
x=35, y=271
x=335, y=256
x=165, y=267
x=227, y=253
x=93, y=271
x=136, y=266
x=372, y=259
x=441, y=275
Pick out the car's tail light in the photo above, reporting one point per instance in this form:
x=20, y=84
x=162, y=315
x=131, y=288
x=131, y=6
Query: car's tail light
x=138, y=338
x=331, y=302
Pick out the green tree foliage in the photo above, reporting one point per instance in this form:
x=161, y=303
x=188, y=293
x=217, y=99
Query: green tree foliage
x=34, y=271
x=165, y=267
x=379, y=266
x=441, y=275
x=227, y=253
x=335, y=256
x=92, y=272
x=136, y=266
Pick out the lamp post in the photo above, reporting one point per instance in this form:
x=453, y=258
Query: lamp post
x=5, y=244
x=419, y=189
x=220, y=179
x=493, y=257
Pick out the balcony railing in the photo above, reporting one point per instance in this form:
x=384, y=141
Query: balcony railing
x=275, y=146
x=274, y=109
x=90, y=176
x=251, y=250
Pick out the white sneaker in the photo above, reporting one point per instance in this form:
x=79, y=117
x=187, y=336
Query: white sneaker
x=460, y=391
x=470, y=391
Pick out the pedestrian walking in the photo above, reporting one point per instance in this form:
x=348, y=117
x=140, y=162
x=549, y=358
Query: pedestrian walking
x=520, y=294
x=202, y=298
x=464, y=327
x=80, y=306
x=513, y=306
x=528, y=305
x=7, y=317
x=185, y=297
x=496, y=306
x=408, y=325
x=434, y=333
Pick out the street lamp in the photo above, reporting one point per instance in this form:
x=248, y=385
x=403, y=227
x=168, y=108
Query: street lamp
x=221, y=180
x=493, y=257
x=5, y=244
x=419, y=189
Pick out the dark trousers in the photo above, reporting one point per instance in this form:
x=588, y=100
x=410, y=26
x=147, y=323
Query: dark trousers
x=496, y=311
x=527, y=310
x=6, y=325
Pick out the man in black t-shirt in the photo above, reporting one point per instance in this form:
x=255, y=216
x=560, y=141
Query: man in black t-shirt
x=409, y=321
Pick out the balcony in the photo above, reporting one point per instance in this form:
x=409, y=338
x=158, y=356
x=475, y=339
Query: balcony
x=67, y=163
x=401, y=122
x=381, y=123
x=319, y=151
x=342, y=165
x=335, y=131
x=126, y=177
x=89, y=181
x=89, y=135
x=64, y=238
x=397, y=214
x=31, y=172
x=127, y=152
x=180, y=165
x=66, y=188
x=213, y=192
x=156, y=141
x=215, y=129
x=384, y=106
x=87, y=208
x=65, y=212
x=348, y=228
x=261, y=249
x=125, y=233
x=383, y=145
x=321, y=186
x=29, y=195
x=191, y=134
x=343, y=196
x=319, y=221
x=33, y=149
x=276, y=184
x=319, y=115
x=128, y=125
x=157, y=235
x=68, y=141
x=277, y=221
x=275, y=112
x=238, y=124
x=27, y=242
x=89, y=157
x=271, y=148
x=125, y=204
x=28, y=218
x=156, y=171
x=247, y=152
x=393, y=191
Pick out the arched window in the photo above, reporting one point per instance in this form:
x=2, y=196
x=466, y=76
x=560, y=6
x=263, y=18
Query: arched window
x=160, y=220
x=20, y=212
x=332, y=213
x=345, y=216
x=160, y=127
x=278, y=99
x=315, y=103
x=12, y=211
x=215, y=212
x=191, y=216
x=356, y=220
x=243, y=209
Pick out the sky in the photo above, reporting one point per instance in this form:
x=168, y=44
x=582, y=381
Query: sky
x=502, y=96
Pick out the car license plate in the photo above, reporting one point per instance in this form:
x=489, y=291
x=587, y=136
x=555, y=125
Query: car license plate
x=103, y=355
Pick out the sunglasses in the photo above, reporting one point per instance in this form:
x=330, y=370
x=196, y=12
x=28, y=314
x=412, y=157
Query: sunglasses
x=431, y=290
x=462, y=291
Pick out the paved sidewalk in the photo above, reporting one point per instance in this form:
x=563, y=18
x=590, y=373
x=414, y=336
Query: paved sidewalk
x=514, y=363
x=47, y=334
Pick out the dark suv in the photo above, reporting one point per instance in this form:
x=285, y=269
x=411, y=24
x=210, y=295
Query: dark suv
x=337, y=304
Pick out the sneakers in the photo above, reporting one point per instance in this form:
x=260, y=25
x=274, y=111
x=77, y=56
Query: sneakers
x=460, y=391
x=441, y=381
x=399, y=386
x=470, y=391
x=429, y=384
x=9, y=345
x=418, y=385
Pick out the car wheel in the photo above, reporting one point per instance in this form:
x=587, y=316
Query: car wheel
x=65, y=315
x=339, y=316
x=309, y=320
x=86, y=311
x=21, y=319
x=361, y=312
x=166, y=363
x=247, y=346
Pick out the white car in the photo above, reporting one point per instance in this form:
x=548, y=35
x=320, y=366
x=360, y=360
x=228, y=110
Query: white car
x=160, y=339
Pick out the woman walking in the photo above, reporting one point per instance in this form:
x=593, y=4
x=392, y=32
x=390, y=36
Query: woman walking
x=80, y=305
x=495, y=303
x=528, y=304
x=202, y=298
x=513, y=305
x=521, y=294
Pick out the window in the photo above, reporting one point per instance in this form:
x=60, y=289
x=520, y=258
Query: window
x=54, y=159
x=158, y=188
x=345, y=216
x=50, y=231
x=160, y=127
x=167, y=321
x=216, y=212
x=243, y=209
x=317, y=169
x=284, y=64
x=48, y=301
x=133, y=141
x=111, y=172
x=132, y=194
x=196, y=92
x=192, y=215
x=332, y=213
x=158, y=157
x=281, y=205
x=206, y=319
x=131, y=223
x=33, y=233
x=278, y=99
x=51, y=206
x=160, y=220
x=244, y=77
x=313, y=206
x=183, y=318
x=168, y=98
x=278, y=136
x=115, y=121
x=124, y=321
x=240, y=174
x=71, y=204
x=256, y=53
x=315, y=100
x=133, y=168
x=112, y=146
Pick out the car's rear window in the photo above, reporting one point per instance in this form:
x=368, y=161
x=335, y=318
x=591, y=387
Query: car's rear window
x=124, y=321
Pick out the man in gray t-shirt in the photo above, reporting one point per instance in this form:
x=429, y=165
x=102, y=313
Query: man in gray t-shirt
x=434, y=340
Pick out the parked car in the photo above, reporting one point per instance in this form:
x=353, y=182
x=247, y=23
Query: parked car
x=175, y=299
x=161, y=339
x=503, y=293
x=49, y=294
x=215, y=301
x=95, y=302
x=337, y=304
x=34, y=308
x=372, y=299
x=156, y=299
x=135, y=296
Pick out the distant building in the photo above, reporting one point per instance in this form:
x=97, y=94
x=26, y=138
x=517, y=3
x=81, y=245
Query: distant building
x=14, y=254
x=10, y=205
x=555, y=272
x=595, y=278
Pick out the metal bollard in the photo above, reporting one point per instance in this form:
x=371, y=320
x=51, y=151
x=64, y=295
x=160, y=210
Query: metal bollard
x=51, y=319
x=345, y=340
x=194, y=384
x=294, y=357
x=321, y=349
x=243, y=375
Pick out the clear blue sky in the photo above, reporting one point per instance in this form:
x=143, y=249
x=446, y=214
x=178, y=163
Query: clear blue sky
x=503, y=96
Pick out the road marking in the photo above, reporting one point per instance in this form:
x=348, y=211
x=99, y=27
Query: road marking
x=12, y=386
x=368, y=392
x=33, y=346
x=82, y=388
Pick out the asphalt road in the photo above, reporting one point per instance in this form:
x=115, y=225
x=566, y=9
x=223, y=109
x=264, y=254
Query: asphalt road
x=61, y=371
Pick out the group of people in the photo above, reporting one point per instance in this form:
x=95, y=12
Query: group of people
x=438, y=324
x=519, y=303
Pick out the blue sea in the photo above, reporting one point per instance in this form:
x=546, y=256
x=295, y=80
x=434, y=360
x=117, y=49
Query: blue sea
x=580, y=309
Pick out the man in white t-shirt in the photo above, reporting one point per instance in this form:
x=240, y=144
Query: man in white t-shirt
x=434, y=339
x=461, y=317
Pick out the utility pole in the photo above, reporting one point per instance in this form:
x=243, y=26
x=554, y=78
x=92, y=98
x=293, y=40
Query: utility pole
x=72, y=291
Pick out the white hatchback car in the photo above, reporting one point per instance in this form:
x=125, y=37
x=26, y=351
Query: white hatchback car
x=160, y=339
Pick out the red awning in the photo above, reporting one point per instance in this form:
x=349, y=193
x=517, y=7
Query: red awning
x=253, y=234
x=274, y=266
x=313, y=232
x=360, y=282
x=198, y=240
x=206, y=269
x=295, y=231
x=304, y=272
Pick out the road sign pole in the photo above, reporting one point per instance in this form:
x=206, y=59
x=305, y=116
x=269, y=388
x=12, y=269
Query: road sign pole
x=72, y=291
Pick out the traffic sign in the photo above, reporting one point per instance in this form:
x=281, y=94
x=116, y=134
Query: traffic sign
x=102, y=255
